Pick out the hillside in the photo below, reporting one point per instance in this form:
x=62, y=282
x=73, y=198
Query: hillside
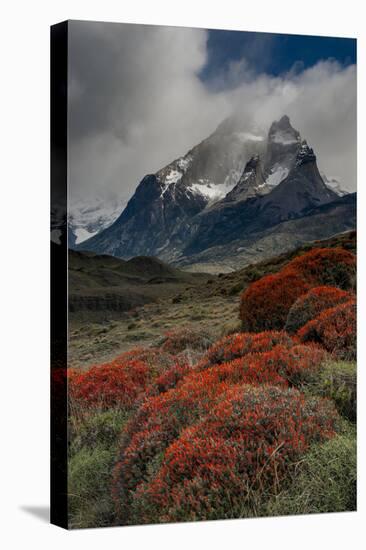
x=126, y=307
x=104, y=285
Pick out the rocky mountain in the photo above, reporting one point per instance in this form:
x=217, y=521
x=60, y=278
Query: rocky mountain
x=232, y=187
x=322, y=222
x=164, y=203
x=227, y=220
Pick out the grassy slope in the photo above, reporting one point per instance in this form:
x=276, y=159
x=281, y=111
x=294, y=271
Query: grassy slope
x=168, y=299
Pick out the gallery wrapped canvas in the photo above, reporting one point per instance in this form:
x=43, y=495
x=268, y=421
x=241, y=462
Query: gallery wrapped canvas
x=203, y=246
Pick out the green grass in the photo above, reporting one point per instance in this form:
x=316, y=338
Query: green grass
x=91, y=459
x=324, y=481
x=337, y=380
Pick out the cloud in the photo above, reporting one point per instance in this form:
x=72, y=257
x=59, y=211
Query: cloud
x=136, y=102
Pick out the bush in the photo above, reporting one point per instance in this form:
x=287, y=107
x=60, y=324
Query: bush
x=238, y=345
x=265, y=303
x=160, y=420
x=245, y=444
x=109, y=385
x=297, y=366
x=327, y=266
x=170, y=378
x=121, y=383
x=312, y=303
x=325, y=481
x=335, y=329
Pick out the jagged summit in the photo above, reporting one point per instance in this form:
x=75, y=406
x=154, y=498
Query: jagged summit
x=252, y=164
x=233, y=185
x=305, y=154
x=251, y=183
x=282, y=133
x=283, y=144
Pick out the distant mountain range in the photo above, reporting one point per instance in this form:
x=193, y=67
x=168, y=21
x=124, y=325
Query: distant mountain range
x=236, y=197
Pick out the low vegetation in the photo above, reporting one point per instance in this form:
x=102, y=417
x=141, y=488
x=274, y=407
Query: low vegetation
x=265, y=304
x=211, y=422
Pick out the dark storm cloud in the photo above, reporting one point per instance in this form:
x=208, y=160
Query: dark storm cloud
x=137, y=102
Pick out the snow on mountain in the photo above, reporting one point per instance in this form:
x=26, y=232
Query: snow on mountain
x=212, y=192
x=278, y=173
x=334, y=184
x=88, y=218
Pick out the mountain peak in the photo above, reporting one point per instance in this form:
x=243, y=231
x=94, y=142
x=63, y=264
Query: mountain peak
x=284, y=121
x=252, y=164
x=282, y=133
x=305, y=154
x=251, y=182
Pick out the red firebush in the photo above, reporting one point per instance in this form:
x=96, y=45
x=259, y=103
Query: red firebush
x=122, y=382
x=161, y=419
x=327, y=266
x=247, y=443
x=111, y=385
x=170, y=378
x=295, y=366
x=240, y=344
x=311, y=304
x=335, y=329
x=265, y=303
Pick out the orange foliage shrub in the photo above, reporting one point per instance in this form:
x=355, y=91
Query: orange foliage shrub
x=335, y=329
x=247, y=442
x=327, y=266
x=240, y=344
x=312, y=303
x=161, y=419
x=110, y=385
x=265, y=303
x=122, y=382
x=170, y=378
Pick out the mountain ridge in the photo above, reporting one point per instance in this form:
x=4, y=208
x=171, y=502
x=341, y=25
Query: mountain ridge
x=203, y=200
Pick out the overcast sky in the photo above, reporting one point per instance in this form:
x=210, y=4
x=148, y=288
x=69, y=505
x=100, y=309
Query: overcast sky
x=141, y=96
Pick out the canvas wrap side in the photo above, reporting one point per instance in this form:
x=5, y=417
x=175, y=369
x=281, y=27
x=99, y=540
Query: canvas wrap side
x=59, y=301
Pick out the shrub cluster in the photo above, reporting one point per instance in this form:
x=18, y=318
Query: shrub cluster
x=265, y=304
x=311, y=304
x=161, y=419
x=240, y=344
x=121, y=383
x=335, y=329
x=246, y=443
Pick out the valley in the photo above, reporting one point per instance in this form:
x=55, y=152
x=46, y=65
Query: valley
x=114, y=307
